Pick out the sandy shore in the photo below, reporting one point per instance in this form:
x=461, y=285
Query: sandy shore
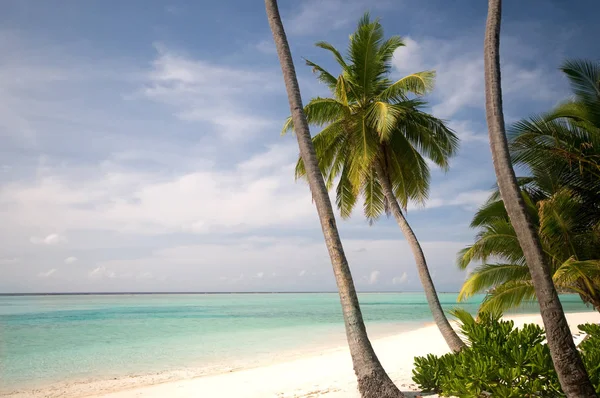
x=328, y=374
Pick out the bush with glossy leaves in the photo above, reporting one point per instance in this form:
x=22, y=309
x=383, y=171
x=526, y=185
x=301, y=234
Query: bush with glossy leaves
x=501, y=361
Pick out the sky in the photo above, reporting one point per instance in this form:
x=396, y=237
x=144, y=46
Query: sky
x=140, y=145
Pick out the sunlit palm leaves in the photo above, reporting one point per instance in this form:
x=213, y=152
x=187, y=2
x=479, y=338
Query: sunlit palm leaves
x=572, y=252
x=371, y=119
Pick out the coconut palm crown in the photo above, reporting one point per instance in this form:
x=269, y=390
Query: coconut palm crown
x=371, y=119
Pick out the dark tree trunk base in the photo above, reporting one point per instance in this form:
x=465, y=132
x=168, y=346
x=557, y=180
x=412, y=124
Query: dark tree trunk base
x=378, y=385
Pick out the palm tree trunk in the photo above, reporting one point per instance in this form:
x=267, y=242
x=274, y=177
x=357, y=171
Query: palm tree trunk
x=569, y=366
x=452, y=339
x=373, y=381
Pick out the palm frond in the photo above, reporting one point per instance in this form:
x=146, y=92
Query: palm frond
x=374, y=198
x=489, y=212
x=558, y=216
x=322, y=75
x=463, y=316
x=568, y=110
x=572, y=272
x=364, y=46
x=585, y=79
x=341, y=90
x=487, y=276
x=346, y=194
x=300, y=170
x=336, y=54
x=388, y=47
x=287, y=126
x=553, y=144
x=328, y=144
x=407, y=170
x=321, y=111
x=496, y=239
x=430, y=136
x=364, y=147
x=419, y=83
x=508, y=295
x=383, y=117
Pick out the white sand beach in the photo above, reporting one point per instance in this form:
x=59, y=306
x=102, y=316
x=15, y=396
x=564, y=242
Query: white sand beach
x=328, y=374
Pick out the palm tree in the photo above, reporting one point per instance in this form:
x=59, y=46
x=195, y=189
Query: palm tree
x=561, y=152
x=567, y=139
x=570, y=248
x=375, y=139
x=569, y=366
x=373, y=381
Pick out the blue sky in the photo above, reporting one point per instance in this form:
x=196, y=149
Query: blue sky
x=140, y=146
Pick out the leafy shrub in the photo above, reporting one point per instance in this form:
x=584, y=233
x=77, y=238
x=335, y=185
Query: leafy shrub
x=501, y=361
x=590, y=352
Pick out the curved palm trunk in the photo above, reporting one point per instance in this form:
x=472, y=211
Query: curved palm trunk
x=373, y=381
x=452, y=339
x=569, y=366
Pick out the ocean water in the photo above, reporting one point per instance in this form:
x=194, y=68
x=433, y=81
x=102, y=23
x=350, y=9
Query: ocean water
x=46, y=340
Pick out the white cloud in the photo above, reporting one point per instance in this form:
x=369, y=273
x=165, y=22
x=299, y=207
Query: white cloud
x=52, y=239
x=374, y=277
x=315, y=16
x=112, y=199
x=259, y=192
x=145, y=275
x=70, y=260
x=11, y=260
x=192, y=267
x=469, y=200
x=102, y=272
x=398, y=280
x=467, y=132
x=275, y=157
x=197, y=91
x=459, y=67
x=459, y=74
x=409, y=58
x=47, y=273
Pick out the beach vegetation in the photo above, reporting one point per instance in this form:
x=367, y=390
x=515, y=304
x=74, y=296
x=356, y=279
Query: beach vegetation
x=501, y=361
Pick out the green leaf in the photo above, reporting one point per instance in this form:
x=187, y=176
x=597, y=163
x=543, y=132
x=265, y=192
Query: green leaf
x=419, y=83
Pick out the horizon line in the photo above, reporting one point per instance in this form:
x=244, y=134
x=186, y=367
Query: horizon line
x=200, y=292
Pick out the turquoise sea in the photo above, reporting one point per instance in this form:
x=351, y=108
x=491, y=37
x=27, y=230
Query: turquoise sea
x=46, y=340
